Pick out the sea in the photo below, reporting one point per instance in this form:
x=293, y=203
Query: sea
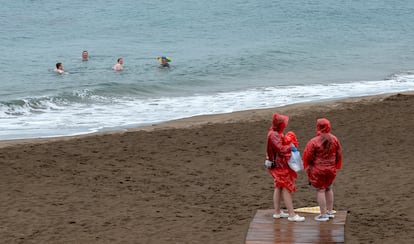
x=226, y=56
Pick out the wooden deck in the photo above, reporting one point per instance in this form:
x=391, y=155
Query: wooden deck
x=265, y=230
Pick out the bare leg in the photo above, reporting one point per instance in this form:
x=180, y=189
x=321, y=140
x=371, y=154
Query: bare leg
x=287, y=198
x=277, y=199
x=320, y=196
x=329, y=196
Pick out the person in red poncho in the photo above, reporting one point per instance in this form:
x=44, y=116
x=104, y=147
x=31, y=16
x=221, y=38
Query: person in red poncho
x=321, y=158
x=279, y=152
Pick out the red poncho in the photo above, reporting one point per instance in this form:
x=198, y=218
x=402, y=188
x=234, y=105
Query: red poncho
x=322, y=156
x=279, y=151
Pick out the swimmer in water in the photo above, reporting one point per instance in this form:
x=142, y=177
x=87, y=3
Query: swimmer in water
x=164, y=63
x=85, y=55
x=118, y=66
x=59, y=68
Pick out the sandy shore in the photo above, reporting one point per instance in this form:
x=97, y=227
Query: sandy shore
x=200, y=180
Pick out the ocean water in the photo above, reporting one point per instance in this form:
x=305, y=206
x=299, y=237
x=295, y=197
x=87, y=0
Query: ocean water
x=226, y=56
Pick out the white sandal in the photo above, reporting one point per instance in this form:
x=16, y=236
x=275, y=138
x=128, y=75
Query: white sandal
x=280, y=215
x=296, y=218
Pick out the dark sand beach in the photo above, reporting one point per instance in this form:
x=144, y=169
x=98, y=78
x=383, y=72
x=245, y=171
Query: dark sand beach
x=201, y=180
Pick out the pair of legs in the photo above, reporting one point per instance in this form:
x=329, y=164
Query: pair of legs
x=325, y=199
x=287, y=198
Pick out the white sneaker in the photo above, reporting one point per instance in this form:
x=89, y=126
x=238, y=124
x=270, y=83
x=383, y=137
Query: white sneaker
x=322, y=218
x=331, y=214
x=296, y=218
x=280, y=215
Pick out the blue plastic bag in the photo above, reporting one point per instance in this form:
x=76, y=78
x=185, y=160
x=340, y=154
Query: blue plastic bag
x=295, y=161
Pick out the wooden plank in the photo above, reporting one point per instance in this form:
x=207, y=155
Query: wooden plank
x=264, y=229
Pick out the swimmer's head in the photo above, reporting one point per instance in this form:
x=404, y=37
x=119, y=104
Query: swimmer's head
x=59, y=66
x=120, y=61
x=85, y=55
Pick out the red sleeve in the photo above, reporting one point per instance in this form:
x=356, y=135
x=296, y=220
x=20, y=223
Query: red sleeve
x=275, y=145
x=338, y=155
x=308, y=154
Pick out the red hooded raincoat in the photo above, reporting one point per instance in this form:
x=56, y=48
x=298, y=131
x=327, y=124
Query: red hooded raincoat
x=279, y=151
x=322, y=156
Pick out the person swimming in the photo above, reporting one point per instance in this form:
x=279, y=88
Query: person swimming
x=85, y=55
x=118, y=66
x=164, y=62
x=59, y=68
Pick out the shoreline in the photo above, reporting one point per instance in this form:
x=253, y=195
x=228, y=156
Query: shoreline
x=210, y=119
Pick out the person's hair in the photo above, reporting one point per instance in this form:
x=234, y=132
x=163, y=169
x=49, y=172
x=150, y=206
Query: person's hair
x=57, y=65
x=119, y=59
x=323, y=126
x=84, y=51
x=327, y=142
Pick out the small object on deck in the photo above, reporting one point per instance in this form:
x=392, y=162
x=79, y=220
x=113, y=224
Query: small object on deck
x=315, y=210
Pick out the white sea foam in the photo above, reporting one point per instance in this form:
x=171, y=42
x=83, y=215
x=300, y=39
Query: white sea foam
x=121, y=113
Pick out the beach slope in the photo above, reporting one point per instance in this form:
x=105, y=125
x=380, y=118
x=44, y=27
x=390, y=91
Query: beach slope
x=201, y=180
